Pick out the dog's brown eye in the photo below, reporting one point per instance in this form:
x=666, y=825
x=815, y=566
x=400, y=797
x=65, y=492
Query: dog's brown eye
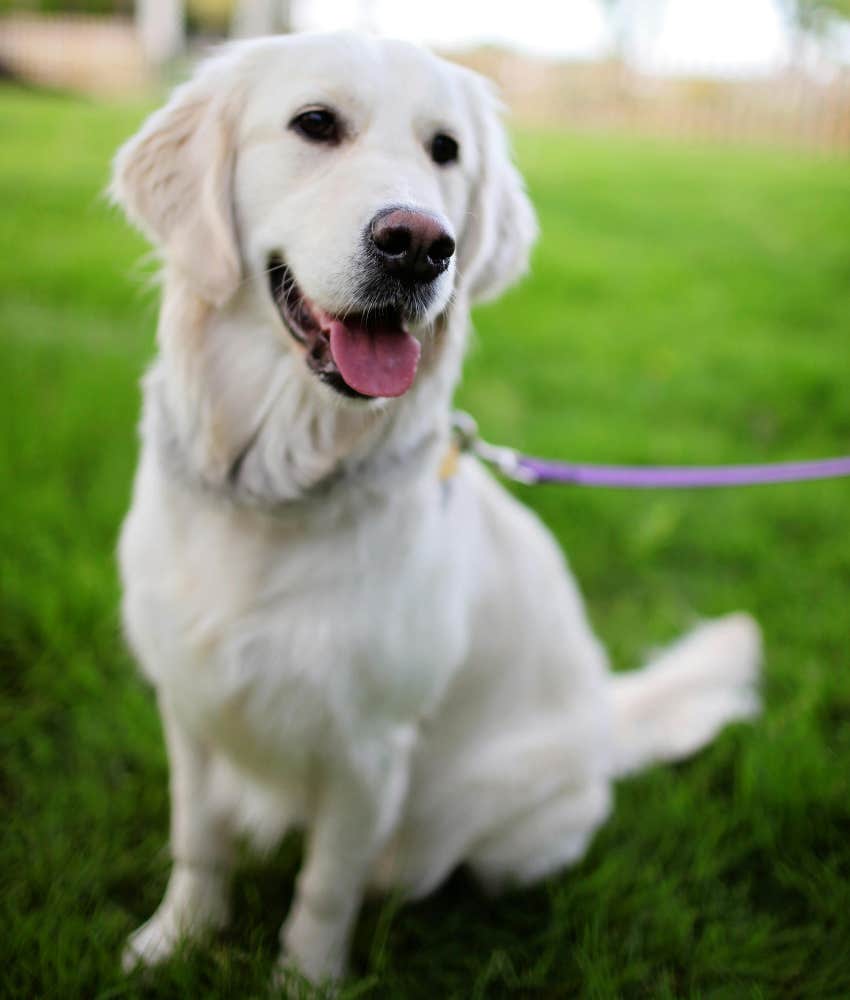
x=444, y=149
x=317, y=125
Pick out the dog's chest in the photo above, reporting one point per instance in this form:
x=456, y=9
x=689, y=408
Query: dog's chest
x=298, y=638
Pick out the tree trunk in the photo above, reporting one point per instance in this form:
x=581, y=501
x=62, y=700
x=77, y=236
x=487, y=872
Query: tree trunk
x=161, y=28
x=261, y=17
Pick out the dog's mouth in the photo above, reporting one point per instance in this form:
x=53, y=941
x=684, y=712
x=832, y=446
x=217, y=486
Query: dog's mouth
x=362, y=355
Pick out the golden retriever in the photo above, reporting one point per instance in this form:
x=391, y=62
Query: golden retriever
x=340, y=638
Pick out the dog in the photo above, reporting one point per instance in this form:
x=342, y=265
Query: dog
x=342, y=639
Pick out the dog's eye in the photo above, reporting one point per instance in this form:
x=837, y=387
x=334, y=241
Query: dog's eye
x=444, y=149
x=317, y=125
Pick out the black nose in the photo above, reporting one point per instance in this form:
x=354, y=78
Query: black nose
x=412, y=246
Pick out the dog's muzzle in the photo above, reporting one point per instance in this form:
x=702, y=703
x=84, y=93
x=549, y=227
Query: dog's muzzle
x=367, y=350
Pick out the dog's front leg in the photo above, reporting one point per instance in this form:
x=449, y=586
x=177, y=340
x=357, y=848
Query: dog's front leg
x=355, y=815
x=195, y=900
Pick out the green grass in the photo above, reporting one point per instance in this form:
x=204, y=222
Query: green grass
x=686, y=305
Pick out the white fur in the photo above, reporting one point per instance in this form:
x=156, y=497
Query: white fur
x=338, y=639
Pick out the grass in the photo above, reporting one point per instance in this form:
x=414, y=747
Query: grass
x=686, y=305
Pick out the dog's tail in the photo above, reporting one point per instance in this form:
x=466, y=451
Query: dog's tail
x=679, y=702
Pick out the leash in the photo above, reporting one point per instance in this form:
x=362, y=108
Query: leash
x=532, y=471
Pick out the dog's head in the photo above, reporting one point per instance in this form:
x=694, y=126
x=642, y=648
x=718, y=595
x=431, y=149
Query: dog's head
x=358, y=186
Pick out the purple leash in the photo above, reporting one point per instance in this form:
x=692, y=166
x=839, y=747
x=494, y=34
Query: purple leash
x=530, y=470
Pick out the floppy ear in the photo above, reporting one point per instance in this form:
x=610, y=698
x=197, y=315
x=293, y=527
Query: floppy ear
x=174, y=180
x=501, y=226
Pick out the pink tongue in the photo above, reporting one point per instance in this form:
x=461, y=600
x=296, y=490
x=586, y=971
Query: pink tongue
x=379, y=361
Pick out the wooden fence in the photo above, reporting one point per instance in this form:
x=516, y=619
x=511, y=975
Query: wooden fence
x=794, y=109
x=91, y=55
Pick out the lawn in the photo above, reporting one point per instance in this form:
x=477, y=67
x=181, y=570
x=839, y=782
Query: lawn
x=686, y=305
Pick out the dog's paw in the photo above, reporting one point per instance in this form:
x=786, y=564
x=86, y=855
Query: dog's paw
x=195, y=903
x=289, y=981
x=314, y=949
x=152, y=943
x=158, y=939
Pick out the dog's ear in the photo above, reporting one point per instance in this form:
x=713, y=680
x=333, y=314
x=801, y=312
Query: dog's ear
x=174, y=181
x=501, y=227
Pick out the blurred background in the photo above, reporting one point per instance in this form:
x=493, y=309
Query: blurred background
x=688, y=303
x=776, y=70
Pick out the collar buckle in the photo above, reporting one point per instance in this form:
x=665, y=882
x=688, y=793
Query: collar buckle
x=506, y=460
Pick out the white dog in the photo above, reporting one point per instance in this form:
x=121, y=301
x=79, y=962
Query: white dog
x=340, y=638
